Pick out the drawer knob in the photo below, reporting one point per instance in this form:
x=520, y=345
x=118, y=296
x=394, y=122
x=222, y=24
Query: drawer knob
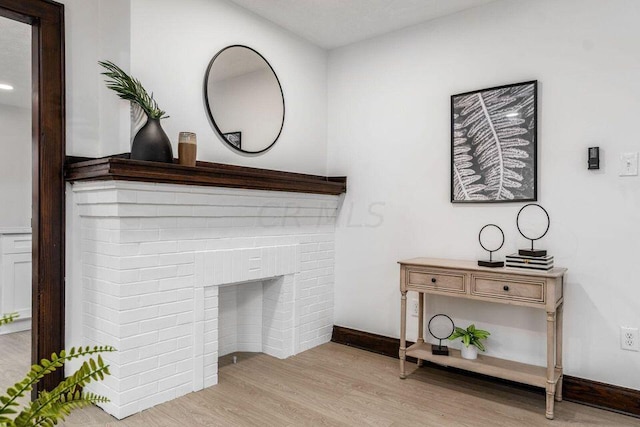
x=433, y=280
x=505, y=287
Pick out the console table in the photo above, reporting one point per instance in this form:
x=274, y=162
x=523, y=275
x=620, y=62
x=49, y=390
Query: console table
x=464, y=279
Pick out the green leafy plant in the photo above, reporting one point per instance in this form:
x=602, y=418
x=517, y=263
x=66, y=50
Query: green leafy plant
x=52, y=406
x=470, y=336
x=131, y=89
x=8, y=318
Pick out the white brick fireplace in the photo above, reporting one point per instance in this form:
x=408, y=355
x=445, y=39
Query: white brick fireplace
x=158, y=262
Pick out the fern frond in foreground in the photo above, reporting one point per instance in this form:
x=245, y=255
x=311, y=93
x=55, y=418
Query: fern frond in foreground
x=54, y=405
x=58, y=410
x=8, y=318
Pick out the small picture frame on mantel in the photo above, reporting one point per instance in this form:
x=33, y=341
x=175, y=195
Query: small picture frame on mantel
x=494, y=144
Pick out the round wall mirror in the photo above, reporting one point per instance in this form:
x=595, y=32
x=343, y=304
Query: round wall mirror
x=244, y=99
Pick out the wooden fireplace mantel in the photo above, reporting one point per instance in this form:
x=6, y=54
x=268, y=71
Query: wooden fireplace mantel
x=120, y=167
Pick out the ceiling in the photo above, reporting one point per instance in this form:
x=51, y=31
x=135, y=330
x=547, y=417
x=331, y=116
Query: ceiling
x=15, y=62
x=335, y=23
x=326, y=23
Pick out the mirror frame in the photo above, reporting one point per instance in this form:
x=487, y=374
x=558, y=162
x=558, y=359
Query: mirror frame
x=46, y=18
x=208, y=106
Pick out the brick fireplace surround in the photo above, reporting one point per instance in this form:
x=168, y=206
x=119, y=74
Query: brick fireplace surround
x=158, y=262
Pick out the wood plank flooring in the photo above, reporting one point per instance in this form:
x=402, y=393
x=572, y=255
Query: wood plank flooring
x=15, y=359
x=336, y=385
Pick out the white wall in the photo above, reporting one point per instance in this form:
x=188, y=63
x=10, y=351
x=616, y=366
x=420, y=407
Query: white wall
x=389, y=132
x=168, y=45
x=15, y=166
x=171, y=46
x=97, y=121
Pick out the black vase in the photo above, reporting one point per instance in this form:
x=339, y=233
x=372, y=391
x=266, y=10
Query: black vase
x=152, y=144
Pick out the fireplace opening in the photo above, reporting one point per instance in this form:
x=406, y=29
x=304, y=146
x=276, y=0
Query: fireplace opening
x=255, y=317
x=240, y=318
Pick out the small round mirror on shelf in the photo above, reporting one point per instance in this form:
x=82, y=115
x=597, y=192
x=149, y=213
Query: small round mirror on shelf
x=244, y=99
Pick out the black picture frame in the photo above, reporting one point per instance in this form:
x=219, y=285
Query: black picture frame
x=234, y=138
x=494, y=144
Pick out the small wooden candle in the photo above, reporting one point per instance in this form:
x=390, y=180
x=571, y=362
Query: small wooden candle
x=187, y=148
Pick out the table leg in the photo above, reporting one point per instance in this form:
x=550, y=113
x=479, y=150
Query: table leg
x=403, y=333
x=551, y=358
x=559, y=314
x=420, y=322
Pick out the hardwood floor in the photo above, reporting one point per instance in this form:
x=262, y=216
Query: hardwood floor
x=332, y=385
x=15, y=359
x=336, y=385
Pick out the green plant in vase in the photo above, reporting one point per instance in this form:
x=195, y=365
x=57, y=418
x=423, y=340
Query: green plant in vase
x=471, y=340
x=151, y=143
x=52, y=406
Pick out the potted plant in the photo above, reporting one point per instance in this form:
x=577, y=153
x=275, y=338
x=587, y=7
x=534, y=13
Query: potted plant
x=151, y=142
x=471, y=338
x=52, y=406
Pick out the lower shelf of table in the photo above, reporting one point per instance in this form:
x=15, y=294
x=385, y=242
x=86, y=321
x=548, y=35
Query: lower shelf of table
x=486, y=365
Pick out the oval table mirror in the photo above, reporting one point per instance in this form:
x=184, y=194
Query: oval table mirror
x=244, y=99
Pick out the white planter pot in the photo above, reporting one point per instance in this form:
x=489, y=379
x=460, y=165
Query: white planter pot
x=470, y=352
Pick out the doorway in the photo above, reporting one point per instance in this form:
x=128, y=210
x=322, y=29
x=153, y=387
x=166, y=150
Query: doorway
x=46, y=21
x=15, y=195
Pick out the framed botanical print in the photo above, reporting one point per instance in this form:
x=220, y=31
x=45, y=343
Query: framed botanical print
x=494, y=144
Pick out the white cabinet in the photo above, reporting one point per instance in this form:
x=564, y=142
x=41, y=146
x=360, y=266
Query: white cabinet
x=15, y=277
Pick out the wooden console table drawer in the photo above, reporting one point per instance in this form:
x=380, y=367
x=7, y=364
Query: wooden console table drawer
x=436, y=280
x=506, y=288
x=541, y=290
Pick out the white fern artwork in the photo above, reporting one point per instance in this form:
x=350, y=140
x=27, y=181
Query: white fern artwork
x=494, y=144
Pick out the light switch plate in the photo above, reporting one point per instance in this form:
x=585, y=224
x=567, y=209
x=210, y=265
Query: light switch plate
x=629, y=164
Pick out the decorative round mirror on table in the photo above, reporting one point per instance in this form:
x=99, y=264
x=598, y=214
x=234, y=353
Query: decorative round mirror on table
x=244, y=99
